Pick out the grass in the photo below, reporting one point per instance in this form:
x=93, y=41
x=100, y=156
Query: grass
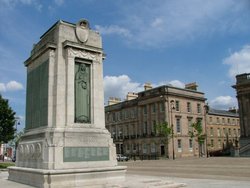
x=6, y=164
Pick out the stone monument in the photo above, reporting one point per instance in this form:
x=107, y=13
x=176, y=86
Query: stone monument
x=65, y=142
x=243, y=95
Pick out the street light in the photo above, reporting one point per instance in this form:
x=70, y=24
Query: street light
x=206, y=109
x=172, y=107
x=17, y=122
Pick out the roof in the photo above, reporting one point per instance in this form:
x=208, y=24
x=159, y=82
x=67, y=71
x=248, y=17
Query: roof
x=222, y=113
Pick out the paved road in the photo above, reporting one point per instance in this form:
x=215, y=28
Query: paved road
x=196, y=172
x=193, y=173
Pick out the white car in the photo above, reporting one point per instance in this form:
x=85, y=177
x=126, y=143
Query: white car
x=121, y=157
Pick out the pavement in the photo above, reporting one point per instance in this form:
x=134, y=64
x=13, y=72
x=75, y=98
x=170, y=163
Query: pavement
x=190, y=173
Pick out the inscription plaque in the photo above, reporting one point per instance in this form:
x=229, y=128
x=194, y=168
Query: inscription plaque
x=77, y=154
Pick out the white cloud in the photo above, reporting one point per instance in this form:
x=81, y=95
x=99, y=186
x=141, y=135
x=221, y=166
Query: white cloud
x=113, y=29
x=9, y=4
x=59, y=2
x=177, y=83
x=2, y=87
x=223, y=102
x=119, y=86
x=239, y=62
x=11, y=86
x=163, y=23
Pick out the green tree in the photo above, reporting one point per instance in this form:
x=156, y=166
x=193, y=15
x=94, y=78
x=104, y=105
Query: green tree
x=198, y=133
x=164, y=131
x=7, y=121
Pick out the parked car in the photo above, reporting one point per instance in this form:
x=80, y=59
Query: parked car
x=121, y=157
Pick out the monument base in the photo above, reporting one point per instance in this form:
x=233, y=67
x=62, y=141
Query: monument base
x=90, y=177
x=245, y=147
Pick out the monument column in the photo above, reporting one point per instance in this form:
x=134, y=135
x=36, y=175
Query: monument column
x=65, y=143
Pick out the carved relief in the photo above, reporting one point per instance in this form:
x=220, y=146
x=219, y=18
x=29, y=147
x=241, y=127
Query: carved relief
x=30, y=152
x=82, y=30
x=84, y=54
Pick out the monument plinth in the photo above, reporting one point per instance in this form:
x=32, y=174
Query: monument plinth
x=242, y=88
x=65, y=142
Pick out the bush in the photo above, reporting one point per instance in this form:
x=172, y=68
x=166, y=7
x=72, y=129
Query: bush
x=6, y=165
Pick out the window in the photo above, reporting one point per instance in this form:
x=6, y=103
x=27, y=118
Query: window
x=144, y=148
x=228, y=121
x=224, y=131
x=153, y=108
x=162, y=107
x=127, y=114
x=219, y=143
x=235, y=133
x=179, y=145
x=153, y=148
x=211, y=131
x=132, y=113
x=190, y=128
x=113, y=117
x=177, y=105
x=218, y=132
x=126, y=130
x=198, y=108
x=145, y=127
x=217, y=120
x=212, y=143
x=128, y=147
x=120, y=116
x=229, y=132
x=153, y=128
x=178, y=125
x=145, y=110
x=223, y=120
x=188, y=107
x=190, y=144
x=210, y=119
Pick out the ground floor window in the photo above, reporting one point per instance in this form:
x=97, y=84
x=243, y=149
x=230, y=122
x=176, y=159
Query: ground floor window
x=179, y=145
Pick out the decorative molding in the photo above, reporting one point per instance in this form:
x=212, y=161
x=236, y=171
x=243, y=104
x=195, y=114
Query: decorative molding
x=84, y=54
x=28, y=152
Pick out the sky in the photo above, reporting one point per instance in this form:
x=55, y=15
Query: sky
x=157, y=41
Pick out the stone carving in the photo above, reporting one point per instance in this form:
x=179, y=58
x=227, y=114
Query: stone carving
x=82, y=30
x=82, y=93
x=30, y=152
x=83, y=54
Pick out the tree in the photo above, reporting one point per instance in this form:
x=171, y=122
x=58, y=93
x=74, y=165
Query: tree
x=198, y=134
x=165, y=131
x=7, y=121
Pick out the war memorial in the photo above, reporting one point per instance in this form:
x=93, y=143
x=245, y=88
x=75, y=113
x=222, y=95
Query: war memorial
x=65, y=142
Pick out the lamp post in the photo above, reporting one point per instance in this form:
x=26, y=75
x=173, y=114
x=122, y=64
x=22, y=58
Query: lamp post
x=172, y=107
x=17, y=122
x=206, y=109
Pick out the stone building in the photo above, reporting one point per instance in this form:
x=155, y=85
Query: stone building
x=223, y=129
x=243, y=95
x=132, y=123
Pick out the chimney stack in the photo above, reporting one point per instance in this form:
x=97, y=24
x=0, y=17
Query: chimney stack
x=147, y=86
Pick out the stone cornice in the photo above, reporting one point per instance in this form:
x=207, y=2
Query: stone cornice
x=74, y=45
x=42, y=50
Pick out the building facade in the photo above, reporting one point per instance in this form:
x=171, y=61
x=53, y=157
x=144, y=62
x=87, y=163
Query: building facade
x=223, y=130
x=133, y=123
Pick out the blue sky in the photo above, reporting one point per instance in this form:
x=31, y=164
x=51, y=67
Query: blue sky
x=162, y=42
